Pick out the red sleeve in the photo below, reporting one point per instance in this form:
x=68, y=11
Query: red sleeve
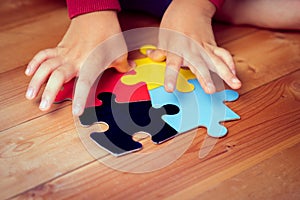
x=217, y=3
x=79, y=7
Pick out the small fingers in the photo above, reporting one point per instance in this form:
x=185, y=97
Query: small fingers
x=41, y=76
x=55, y=82
x=226, y=57
x=173, y=64
x=156, y=55
x=83, y=86
x=202, y=73
x=38, y=59
x=86, y=79
x=225, y=72
x=203, y=76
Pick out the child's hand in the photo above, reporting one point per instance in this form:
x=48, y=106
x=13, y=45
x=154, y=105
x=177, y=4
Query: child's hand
x=193, y=18
x=58, y=65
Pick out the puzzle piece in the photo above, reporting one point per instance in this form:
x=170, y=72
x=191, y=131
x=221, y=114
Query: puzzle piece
x=109, y=82
x=126, y=119
x=197, y=109
x=152, y=73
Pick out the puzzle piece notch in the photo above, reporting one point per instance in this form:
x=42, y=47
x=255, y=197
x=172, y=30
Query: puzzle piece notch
x=143, y=118
x=152, y=73
x=109, y=81
x=210, y=109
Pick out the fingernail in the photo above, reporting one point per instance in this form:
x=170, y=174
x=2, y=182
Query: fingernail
x=29, y=93
x=27, y=71
x=170, y=87
x=233, y=71
x=149, y=51
x=76, y=109
x=210, y=87
x=235, y=80
x=44, y=103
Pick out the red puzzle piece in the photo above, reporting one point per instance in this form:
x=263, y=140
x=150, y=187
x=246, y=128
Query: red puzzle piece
x=109, y=82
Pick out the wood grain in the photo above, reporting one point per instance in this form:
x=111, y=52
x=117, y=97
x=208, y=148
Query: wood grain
x=231, y=33
x=262, y=133
x=30, y=156
x=13, y=86
x=41, y=155
x=265, y=56
x=19, y=12
x=34, y=122
x=25, y=40
x=274, y=178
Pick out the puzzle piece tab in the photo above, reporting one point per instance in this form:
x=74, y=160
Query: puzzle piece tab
x=108, y=82
x=152, y=73
x=126, y=119
x=197, y=109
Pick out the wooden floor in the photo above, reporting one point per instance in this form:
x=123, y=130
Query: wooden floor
x=41, y=155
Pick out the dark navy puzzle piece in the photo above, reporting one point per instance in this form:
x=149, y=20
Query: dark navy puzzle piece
x=126, y=119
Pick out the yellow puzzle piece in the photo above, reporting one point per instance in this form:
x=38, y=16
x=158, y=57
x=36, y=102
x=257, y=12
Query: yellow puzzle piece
x=152, y=73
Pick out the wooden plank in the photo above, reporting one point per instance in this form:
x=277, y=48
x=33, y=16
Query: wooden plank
x=18, y=45
x=270, y=124
x=225, y=33
x=265, y=56
x=39, y=150
x=14, y=91
x=275, y=178
x=19, y=12
x=14, y=107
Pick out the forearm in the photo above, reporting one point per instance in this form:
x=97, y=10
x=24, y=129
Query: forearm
x=195, y=7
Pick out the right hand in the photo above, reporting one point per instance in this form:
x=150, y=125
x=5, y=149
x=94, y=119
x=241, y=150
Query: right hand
x=186, y=39
x=58, y=65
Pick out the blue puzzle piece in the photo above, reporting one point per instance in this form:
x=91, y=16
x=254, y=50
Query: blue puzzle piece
x=196, y=109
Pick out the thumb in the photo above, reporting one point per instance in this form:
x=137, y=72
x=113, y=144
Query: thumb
x=122, y=64
x=156, y=55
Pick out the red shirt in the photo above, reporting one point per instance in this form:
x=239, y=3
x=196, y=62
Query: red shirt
x=79, y=7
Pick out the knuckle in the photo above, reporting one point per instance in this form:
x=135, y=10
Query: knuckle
x=34, y=60
x=157, y=55
x=174, y=61
x=38, y=77
x=85, y=82
x=48, y=92
x=58, y=74
x=44, y=53
x=226, y=52
x=172, y=64
x=225, y=74
x=223, y=51
x=47, y=66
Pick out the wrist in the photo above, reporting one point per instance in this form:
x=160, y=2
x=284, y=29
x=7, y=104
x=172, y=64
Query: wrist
x=99, y=21
x=205, y=7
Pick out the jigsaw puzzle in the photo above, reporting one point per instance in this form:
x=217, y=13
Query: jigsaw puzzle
x=126, y=119
x=108, y=82
x=197, y=109
x=137, y=102
x=152, y=73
